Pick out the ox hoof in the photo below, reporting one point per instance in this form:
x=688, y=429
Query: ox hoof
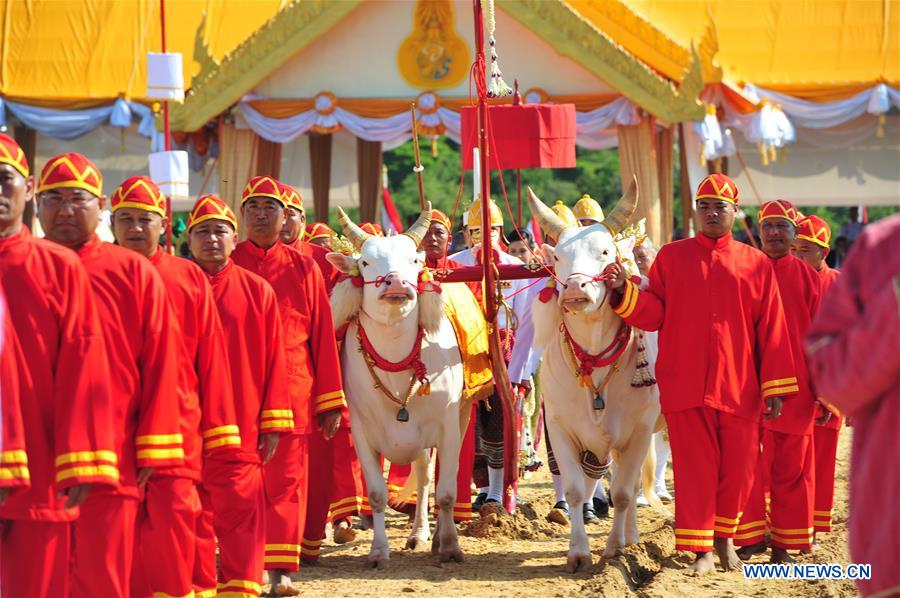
x=379, y=562
x=414, y=542
x=612, y=552
x=578, y=562
x=452, y=554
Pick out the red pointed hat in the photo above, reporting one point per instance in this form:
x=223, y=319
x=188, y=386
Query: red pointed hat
x=71, y=171
x=779, y=208
x=12, y=154
x=815, y=230
x=291, y=197
x=210, y=207
x=318, y=230
x=262, y=186
x=719, y=187
x=371, y=228
x=139, y=192
x=439, y=216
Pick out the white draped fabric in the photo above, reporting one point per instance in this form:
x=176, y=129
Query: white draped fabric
x=595, y=129
x=781, y=119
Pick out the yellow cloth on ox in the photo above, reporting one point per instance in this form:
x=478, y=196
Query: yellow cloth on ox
x=470, y=327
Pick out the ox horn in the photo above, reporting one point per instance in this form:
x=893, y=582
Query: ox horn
x=624, y=209
x=356, y=235
x=552, y=224
x=417, y=231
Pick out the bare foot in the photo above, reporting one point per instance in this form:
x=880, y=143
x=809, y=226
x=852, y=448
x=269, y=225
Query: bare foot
x=705, y=563
x=343, y=533
x=281, y=583
x=780, y=555
x=728, y=558
x=746, y=552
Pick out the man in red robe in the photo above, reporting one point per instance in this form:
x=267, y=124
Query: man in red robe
x=248, y=309
x=64, y=389
x=812, y=246
x=292, y=235
x=852, y=352
x=785, y=469
x=724, y=354
x=318, y=233
x=141, y=337
x=14, y=473
x=333, y=463
x=313, y=369
x=181, y=540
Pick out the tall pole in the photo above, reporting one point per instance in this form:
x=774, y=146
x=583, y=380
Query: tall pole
x=418, y=167
x=487, y=254
x=166, y=130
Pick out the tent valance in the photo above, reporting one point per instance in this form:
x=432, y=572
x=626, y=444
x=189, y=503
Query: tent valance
x=388, y=121
x=70, y=124
x=774, y=124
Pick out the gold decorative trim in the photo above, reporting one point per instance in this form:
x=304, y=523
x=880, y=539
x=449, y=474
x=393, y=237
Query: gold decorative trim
x=574, y=36
x=218, y=86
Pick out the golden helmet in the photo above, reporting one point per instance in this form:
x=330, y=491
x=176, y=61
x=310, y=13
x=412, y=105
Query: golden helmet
x=587, y=208
x=473, y=216
x=565, y=213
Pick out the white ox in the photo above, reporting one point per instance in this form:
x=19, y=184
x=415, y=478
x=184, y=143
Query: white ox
x=624, y=427
x=389, y=308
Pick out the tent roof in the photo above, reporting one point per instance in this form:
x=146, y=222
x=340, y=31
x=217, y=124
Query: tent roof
x=75, y=53
x=817, y=50
x=301, y=23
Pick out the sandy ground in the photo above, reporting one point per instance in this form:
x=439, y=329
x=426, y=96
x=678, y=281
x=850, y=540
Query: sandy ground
x=524, y=556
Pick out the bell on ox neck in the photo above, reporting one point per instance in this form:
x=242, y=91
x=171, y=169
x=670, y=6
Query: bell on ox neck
x=403, y=415
x=599, y=402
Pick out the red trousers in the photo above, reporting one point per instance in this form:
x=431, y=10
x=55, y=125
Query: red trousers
x=334, y=466
x=785, y=471
x=285, y=478
x=238, y=502
x=166, y=539
x=825, y=441
x=713, y=457
x=204, y=579
x=103, y=546
x=34, y=559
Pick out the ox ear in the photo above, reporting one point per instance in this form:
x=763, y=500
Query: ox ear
x=625, y=246
x=344, y=263
x=548, y=253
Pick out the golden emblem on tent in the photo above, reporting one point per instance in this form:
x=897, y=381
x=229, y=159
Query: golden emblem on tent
x=434, y=55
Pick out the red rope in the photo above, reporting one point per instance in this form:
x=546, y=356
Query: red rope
x=413, y=361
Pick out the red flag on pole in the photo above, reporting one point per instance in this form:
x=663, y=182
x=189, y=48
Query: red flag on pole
x=390, y=219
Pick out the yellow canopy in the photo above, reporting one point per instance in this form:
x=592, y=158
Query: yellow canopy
x=819, y=50
x=75, y=53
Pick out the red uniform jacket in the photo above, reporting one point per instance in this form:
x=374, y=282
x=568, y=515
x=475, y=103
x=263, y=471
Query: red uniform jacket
x=723, y=339
x=249, y=312
x=142, y=355
x=799, y=287
x=827, y=277
x=63, y=379
x=13, y=455
x=207, y=402
x=318, y=253
x=311, y=357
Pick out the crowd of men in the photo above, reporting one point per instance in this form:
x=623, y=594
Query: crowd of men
x=158, y=411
